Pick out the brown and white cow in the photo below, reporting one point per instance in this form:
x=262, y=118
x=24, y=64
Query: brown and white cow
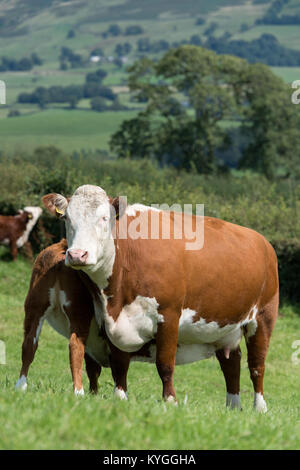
x=67, y=300
x=15, y=229
x=193, y=303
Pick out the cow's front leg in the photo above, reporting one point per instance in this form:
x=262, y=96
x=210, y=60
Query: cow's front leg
x=119, y=363
x=76, y=355
x=166, y=348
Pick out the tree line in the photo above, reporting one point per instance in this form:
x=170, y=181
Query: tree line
x=71, y=94
x=17, y=65
x=272, y=15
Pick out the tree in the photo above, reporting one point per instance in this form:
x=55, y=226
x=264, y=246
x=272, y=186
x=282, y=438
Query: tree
x=186, y=100
x=190, y=96
x=98, y=104
x=134, y=30
x=271, y=123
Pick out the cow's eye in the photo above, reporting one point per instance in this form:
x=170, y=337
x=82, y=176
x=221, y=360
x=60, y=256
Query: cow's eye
x=105, y=218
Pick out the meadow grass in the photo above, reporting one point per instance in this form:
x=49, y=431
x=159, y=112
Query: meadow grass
x=48, y=416
x=67, y=129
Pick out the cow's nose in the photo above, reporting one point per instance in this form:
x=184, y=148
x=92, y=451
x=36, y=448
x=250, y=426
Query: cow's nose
x=77, y=257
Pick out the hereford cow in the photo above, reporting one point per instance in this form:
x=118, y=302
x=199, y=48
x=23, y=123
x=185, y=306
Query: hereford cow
x=15, y=229
x=193, y=303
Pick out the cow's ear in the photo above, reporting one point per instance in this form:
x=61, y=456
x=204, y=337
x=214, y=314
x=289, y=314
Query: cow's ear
x=56, y=204
x=118, y=206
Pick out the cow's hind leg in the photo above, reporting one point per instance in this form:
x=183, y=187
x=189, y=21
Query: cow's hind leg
x=93, y=370
x=257, y=346
x=231, y=369
x=34, y=319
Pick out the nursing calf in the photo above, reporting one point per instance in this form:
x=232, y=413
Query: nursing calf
x=177, y=305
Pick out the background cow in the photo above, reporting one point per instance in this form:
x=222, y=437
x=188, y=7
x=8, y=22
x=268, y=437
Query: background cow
x=193, y=303
x=15, y=229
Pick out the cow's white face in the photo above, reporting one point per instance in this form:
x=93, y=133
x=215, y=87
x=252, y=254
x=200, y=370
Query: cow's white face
x=87, y=218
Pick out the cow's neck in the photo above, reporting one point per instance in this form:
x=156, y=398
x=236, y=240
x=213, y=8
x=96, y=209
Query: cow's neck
x=104, y=268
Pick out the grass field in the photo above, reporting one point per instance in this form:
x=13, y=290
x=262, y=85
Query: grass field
x=68, y=130
x=48, y=416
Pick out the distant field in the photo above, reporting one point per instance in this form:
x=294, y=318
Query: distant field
x=288, y=74
x=67, y=129
x=48, y=416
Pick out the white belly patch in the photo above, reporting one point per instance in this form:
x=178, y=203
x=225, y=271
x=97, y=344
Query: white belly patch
x=136, y=324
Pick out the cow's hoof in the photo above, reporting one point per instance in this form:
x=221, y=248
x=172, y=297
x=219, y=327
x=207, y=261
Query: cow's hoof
x=171, y=399
x=259, y=403
x=233, y=401
x=119, y=393
x=21, y=384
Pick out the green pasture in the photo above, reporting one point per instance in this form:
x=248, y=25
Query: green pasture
x=67, y=129
x=48, y=416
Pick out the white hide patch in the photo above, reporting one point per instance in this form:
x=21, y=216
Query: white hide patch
x=259, y=403
x=21, y=384
x=207, y=333
x=39, y=329
x=36, y=212
x=119, y=393
x=134, y=208
x=233, y=401
x=252, y=325
x=196, y=340
x=136, y=324
x=79, y=393
x=55, y=313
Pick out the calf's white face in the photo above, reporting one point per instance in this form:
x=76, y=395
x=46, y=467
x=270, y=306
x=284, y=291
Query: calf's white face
x=87, y=218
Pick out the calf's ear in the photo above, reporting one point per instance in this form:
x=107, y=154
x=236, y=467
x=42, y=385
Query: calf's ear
x=56, y=204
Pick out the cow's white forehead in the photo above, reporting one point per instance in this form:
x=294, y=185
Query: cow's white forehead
x=88, y=196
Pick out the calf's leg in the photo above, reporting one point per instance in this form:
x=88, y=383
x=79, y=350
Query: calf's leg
x=93, y=370
x=76, y=355
x=32, y=328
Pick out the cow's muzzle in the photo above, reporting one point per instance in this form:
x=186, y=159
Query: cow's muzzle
x=77, y=257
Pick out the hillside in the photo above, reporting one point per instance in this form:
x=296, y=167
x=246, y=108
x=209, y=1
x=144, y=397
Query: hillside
x=119, y=32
